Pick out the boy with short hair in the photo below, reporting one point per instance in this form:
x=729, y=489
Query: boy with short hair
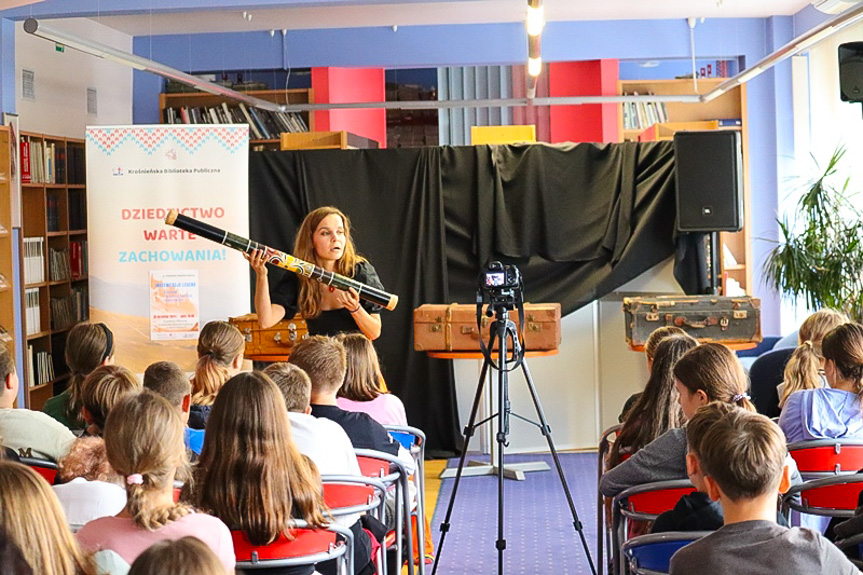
x=742, y=456
x=167, y=379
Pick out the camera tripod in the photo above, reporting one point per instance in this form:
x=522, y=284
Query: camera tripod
x=502, y=329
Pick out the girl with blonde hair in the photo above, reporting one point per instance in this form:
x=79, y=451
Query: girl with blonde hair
x=31, y=516
x=185, y=556
x=220, y=356
x=361, y=390
x=324, y=238
x=144, y=439
x=88, y=346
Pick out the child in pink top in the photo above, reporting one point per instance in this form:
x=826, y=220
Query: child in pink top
x=361, y=390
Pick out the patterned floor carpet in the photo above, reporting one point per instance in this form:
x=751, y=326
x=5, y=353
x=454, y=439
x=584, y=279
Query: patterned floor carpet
x=538, y=527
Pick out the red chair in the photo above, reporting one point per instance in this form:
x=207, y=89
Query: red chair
x=308, y=547
x=821, y=458
x=603, y=533
x=642, y=503
x=348, y=495
x=829, y=497
x=45, y=468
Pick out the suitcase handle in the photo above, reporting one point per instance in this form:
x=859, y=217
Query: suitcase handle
x=683, y=321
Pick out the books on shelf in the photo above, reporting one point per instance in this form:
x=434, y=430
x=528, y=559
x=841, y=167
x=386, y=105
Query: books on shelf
x=80, y=303
x=41, y=366
x=78, y=259
x=263, y=124
x=77, y=210
x=34, y=260
x=53, y=212
x=58, y=264
x=641, y=115
x=33, y=313
x=63, y=312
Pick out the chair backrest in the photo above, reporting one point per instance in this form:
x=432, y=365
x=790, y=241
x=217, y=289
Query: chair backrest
x=831, y=497
x=346, y=495
x=645, y=502
x=45, y=468
x=827, y=457
x=651, y=554
x=604, y=534
x=765, y=374
x=307, y=547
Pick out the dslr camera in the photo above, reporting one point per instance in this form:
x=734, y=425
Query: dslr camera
x=501, y=283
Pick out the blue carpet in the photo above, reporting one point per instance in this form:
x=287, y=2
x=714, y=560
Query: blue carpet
x=538, y=526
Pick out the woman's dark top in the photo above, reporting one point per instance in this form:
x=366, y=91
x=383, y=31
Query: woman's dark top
x=198, y=415
x=333, y=321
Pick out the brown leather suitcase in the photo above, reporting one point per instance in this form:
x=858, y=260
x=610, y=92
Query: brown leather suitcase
x=273, y=343
x=442, y=327
x=729, y=320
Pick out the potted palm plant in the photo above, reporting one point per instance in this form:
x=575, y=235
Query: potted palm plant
x=820, y=255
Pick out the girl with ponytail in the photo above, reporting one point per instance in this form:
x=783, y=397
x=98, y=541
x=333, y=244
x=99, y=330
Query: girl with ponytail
x=830, y=412
x=220, y=356
x=144, y=440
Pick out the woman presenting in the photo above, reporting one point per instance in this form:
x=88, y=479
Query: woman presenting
x=324, y=238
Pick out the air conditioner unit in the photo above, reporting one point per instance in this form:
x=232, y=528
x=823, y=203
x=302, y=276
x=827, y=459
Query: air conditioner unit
x=834, y=6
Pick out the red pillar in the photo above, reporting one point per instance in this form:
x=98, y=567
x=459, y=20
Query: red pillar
x=339, y=85
x=589, y=122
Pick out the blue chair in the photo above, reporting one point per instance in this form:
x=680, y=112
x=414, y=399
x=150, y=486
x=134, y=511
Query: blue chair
x=765, y=374
x=651, y=554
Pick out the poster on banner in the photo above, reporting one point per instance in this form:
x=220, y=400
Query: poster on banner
x=135, y=174
x=174, y=305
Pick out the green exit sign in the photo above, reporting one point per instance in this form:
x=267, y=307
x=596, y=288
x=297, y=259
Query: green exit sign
x=59, y=47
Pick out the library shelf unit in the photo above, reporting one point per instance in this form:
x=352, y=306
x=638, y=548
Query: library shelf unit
x=7, y=295
x=203, y=100
x=54, y=292
x=736, y=262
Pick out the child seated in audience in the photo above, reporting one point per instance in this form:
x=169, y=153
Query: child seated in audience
x=653, y=341
x=251, y=474
x=185, y=556
x=165, y=378
x=832, y=412
x=101, y=391
x=658, y=408
x=29, y=433
x=144, y=439
x=220, y=356
x=88, y=346
x=708, y=372
x=361, y=390
x=32, y=518
x=742, y=456
x=12, y=561
x=88, y=487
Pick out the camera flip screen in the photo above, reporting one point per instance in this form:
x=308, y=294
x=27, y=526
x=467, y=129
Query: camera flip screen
x=495, y=279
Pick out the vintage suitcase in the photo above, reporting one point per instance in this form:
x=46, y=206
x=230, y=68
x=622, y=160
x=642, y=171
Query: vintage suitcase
x=273, y=343
x=730, y=320
x=441, y=327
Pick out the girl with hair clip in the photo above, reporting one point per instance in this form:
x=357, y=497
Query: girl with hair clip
x=708, y=372
x=650, y=346
x=831, y=412
x=658, y=408
x=361, y=390
x=32, y=518
x=249, y=436
x=185, y=556
x=324, y=238
x=88, y=346
x=220, y=356
x=144, y=440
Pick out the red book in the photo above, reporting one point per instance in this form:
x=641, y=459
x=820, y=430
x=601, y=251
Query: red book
x=75, y=259
x=25, y=161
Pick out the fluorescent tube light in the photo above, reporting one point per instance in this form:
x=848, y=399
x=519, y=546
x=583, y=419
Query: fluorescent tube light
x=535, y=20
x=534, y=66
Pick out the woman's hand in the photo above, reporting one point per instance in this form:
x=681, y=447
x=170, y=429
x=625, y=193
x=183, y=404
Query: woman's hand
x=258, y=260
x=348, y=299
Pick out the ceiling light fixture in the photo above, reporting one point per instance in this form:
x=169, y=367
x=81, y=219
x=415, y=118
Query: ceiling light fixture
x=535, y=20
x=534, y=23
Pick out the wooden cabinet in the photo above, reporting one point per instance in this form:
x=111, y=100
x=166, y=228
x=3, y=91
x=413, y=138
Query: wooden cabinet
x=730, y=108
x=7, y=295
x=195, y=107
x=53, y=258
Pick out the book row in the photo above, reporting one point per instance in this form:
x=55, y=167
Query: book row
x=68, y=310
x=263, y=124
x=642, y=115
x=41, y=366
x=34, y=260
x=44, y=162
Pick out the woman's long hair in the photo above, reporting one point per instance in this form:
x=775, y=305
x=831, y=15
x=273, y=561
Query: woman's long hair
x=715, y=370
x=363, y=376
x=250, y=474
x=844, y=347
x=32, y=517
x=87, y=347
x=144, y=440
x=658, y=409
x=219, y=345
x=309, y=300
x=803, y=370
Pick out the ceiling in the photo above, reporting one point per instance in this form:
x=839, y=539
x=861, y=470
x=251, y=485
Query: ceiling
x=199, y=16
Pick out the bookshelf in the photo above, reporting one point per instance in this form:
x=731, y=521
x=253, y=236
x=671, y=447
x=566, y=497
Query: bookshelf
x=7, y=295
x=721, y=113
x=53, y=257
x=200, y=107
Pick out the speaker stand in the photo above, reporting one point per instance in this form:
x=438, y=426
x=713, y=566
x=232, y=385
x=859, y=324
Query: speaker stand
x=715, y=269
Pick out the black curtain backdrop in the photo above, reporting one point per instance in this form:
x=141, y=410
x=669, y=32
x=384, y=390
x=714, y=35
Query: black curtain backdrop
x=578, y=220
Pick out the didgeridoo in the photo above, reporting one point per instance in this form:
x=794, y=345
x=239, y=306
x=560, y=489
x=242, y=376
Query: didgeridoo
x=281, y=259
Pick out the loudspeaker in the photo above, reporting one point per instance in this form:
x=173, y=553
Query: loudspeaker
x=709, y=174
x=851, y=72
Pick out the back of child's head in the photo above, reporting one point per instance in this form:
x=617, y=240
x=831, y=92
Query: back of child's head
x=803, y=370
x=32, y=517
x=7, y=366
x=819, y=324
x=88, y=346
x=363, y=374
x=715, y=370
x=744, y=453
x=144, y=439
x=165, y=378
x=293, y=382
x=324, y=359
x=185, y=556
x=844, y=347
x=656, y=336
x=249, y=436
x=87, y=458
x=12, y=560
x=219, y=346
x=703, y=420
x=104, y=388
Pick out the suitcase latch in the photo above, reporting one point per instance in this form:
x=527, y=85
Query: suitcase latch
x=247, y=334
x=292, y=331
x=651, y=316
x=723, y=322
x=435, y=327
x=740, y=314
